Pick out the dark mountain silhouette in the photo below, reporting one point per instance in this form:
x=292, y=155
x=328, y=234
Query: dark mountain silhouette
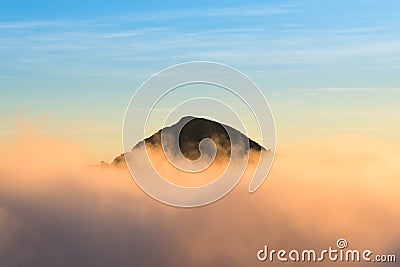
x=191, y=131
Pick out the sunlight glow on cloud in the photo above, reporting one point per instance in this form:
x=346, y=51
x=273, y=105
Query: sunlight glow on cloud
x=54, y=212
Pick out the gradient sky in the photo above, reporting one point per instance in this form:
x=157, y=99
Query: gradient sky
x=69, y=68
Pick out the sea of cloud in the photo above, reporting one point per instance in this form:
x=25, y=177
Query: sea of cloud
x=55, y=210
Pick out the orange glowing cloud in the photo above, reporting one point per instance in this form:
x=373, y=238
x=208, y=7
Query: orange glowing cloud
x=55, y=211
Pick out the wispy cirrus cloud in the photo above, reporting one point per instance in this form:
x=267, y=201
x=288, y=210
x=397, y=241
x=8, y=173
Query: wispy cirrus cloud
x=350, y=90
x=163, y=36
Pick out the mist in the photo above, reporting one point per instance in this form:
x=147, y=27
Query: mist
x=56, y=210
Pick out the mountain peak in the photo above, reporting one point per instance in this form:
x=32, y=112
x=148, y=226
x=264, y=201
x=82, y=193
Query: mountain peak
x=191, y=130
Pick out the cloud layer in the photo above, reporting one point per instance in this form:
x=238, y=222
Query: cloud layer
x=54, y=212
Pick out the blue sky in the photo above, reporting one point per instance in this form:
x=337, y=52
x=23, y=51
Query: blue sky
x=77, y=63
